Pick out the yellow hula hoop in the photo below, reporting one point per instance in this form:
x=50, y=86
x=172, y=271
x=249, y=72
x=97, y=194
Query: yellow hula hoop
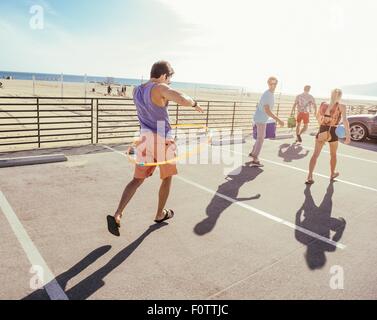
x=185, y=155
x=191, y=125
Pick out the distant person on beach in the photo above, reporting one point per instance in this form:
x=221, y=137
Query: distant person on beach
x=109, y=90
x=1, y=85
x=156, y=143
x=329, y=116
x=262, y=114
x=304, y=103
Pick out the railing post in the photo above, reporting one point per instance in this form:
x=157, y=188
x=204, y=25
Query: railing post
x=176, y=114
x=234, y=111
x=176, y=120
x=91, y=116
x=277, y=111
x=97, y=121
x=39, y=124
x=207, y=116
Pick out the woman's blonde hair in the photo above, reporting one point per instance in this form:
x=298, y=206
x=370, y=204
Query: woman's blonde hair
x=336, y=95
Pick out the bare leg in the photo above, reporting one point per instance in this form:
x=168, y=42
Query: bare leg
x=303, y=129
x=333, y=161
x=298, y=129
x=313, y=160
x=261, y=134
x=127, y=195
x=163, y=197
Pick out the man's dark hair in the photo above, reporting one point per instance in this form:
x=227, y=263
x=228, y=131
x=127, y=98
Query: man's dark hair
x=160, y=68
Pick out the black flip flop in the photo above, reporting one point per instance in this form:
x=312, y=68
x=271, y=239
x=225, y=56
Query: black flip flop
x=309, y=182
x=256, y=164
x=113, y=226
x=169, y=214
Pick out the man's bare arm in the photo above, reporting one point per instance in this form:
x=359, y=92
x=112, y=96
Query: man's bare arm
x=314, y=104
x=315, y=108
x=180, y=98
x=268, y=111
x=294, y=106
x=176, y=96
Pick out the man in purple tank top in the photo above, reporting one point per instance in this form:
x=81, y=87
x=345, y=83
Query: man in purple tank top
x=151, y=101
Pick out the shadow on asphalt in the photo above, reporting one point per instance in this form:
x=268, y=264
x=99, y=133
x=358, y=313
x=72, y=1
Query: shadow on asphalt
x=291, y=152
x=87, y=287
x=318, y=220
x=230, y=188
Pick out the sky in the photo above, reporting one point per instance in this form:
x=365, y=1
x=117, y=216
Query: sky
x=325, y=43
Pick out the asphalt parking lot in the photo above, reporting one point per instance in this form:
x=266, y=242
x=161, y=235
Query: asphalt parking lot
x=239, y=232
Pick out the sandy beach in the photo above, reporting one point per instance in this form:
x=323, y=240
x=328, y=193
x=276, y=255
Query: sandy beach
x=21, y=126
x=25, y=88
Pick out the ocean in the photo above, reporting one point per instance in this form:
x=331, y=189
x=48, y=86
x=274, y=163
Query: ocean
x=359, y=97
x=133, y=82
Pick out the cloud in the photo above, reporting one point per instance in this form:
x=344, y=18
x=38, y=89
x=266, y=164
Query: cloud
x=5, y=28
x=55, y=50
x=327, y=43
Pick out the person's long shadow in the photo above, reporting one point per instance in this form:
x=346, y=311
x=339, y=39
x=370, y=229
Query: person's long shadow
x=230, y=189
x=95, y=281
x=290, y=152
x=318, y=220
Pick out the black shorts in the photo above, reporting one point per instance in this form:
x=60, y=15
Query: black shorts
x=334, y=137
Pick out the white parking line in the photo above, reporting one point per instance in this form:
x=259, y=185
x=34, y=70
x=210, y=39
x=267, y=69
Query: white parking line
x=264, y=213
x=306, y=171
x=52, y=287
x=254, y=210
x=338, y=153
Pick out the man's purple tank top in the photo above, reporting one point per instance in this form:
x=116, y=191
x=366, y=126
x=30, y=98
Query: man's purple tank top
x=152, y=117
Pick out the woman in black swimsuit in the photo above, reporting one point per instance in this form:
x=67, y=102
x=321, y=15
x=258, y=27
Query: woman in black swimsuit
x=329, y=116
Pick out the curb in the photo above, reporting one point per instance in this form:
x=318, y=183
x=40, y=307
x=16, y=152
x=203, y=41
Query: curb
x=33, y=160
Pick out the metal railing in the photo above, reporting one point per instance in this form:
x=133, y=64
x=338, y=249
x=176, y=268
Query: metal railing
x=118, y=118
x=41, y=122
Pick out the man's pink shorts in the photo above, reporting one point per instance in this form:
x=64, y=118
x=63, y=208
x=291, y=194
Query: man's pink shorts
x=152, y=148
